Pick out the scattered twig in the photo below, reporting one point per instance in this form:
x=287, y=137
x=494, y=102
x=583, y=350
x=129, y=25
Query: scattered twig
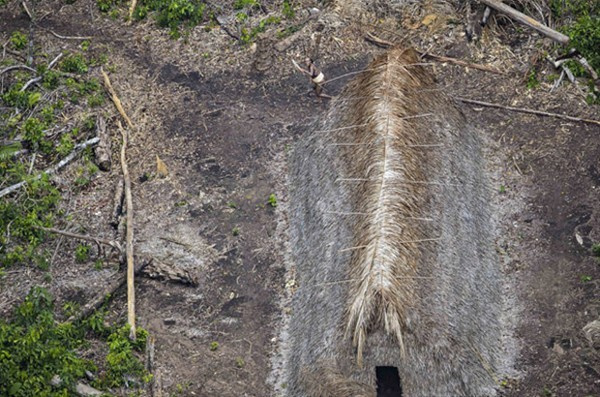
x=14, y=67
x=115, y=98
x=27, y=10
x=65, y=37
x=370, y=37
x=78, y=148
x=38, y=78
x=30, y=82
x=463, y=63
x=97, y=240
x=129, y=235
x=527, y=20
x=529, y=111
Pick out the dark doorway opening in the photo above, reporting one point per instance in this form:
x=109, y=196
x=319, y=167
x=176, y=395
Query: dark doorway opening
x=388, y=382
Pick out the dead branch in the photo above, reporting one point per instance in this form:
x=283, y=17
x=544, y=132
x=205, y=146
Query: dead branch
x=78, y=148
x=103, y=150
x=112, y=286
x=115, y=98
x=132, y=9
x=529, y=111
x=97, y=240
x=129, y=235
x=371, y=38
x=455, y=61
x=65, y=37
x=14, y=67
x=38, y=78
x=527, y=20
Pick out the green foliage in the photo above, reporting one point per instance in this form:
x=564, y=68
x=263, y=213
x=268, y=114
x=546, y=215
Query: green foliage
x=532, y=80
x=82, y=253
x=247, y=35
x=585, y=36
x=288, y=9
x=241, y=4
x=574, y=8
x=74, y=64
x=272, y=201
x=33, y=348
x=18, y=40
x=105, y=5
x=22, y=100
x=66, y=144
x=596, y=249
x=582, y=25
x=235, y=231
x=19, y=220
x=213, y=346
x=172, y=14
x=121, y=359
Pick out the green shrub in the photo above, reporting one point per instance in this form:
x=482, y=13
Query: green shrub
x=18, y=40
x=22, y=219
x=34, y=348
x=173, y=14
x=82, y=253
x=74, y=64
x=121, y=359
x=288, y=10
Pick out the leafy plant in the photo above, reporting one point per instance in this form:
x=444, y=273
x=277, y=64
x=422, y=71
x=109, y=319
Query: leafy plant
x=18, y=40
x=82, y=253
x=121, y=359
x=288, y=9
x=34, y=348
x=172, y=14
x=272, y=201
x=596, y=249
x=213, y=346
x=74, y=64
x=532, y=80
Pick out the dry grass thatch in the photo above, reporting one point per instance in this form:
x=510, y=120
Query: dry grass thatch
x=384, y=264
x=393, y=244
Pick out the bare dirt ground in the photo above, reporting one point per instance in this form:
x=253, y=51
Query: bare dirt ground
x=223, y=116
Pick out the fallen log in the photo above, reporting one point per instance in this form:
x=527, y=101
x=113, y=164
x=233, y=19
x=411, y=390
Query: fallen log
x=527, y=20
x=111, y=286
x=78, y=148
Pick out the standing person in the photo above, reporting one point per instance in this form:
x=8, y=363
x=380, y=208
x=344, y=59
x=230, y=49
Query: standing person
x=316, y=77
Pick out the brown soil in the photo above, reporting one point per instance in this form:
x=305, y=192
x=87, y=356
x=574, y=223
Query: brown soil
x=223, y=116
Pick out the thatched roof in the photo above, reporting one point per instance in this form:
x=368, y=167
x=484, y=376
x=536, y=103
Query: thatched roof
x=393, y=244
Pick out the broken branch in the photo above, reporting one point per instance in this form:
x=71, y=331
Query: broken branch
x=529, y=111
x=129, y=236
x=91, y=239
x=78, y=148
x=527, y=20
x=115, y=98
